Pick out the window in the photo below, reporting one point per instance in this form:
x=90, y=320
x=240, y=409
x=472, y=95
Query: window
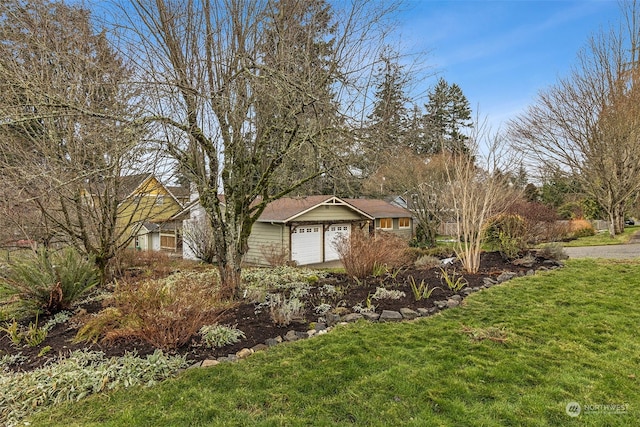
x=386, y=223
x=168, y=242
x=404, y=222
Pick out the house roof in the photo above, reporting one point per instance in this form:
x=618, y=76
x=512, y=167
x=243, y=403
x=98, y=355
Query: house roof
x=379, y=208
x=129, y=183
x=289, y=208
x=179, y=192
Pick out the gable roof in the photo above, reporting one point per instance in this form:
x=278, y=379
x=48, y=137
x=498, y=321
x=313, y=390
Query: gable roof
x=289, y=208
x=379, y=208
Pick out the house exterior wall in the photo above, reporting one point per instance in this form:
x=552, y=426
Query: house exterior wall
x=405, y=233
x=267, y=240
x=328, y=213
x=196, y=217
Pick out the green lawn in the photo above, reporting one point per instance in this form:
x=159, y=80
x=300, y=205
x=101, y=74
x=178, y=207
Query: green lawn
x=603, y=238
x=569, y=335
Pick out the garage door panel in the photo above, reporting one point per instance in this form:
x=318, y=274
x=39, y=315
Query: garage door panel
x=332, y=236
x=306, y=244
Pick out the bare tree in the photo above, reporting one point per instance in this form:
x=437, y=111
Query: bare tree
x=240, y=87
x=63, y=115
x=477, y=189
x=588, y=125
x=421, y=181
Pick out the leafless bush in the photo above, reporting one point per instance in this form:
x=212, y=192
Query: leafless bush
x=275, y=255
x=198, y=237
x=165, y=313
x=361, y=254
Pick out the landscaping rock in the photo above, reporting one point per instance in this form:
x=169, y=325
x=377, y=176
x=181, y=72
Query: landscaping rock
x=371, y=316
x=390, y=316
x=332, y=319
x=245, y=352
x=291, y=336
x=320, y=326
x=488, y=281
x=456, y=298
x=408, y=314
x=259, y=347
x=352, y=317
x=311, y=332
x=440, y=304
x=506, y=275
x=452, y=303
x=273, y=341
x=531, y=272
x=423, y=311
x=209, y=362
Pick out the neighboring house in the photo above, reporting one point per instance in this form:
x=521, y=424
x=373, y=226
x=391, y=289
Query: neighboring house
x=151, y=211
x=306, y=229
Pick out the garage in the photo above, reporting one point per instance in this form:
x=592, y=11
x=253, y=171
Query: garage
x=334, y=234
x=306, y=244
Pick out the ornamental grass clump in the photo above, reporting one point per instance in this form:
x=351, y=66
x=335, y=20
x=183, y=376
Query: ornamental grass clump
x=362, y=255
x=46, y=283
x=165, y=313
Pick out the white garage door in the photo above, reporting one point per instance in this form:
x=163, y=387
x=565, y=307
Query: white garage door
x=333, y=234
x=306, y=244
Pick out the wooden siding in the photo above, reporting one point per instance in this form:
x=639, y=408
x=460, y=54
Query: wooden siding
x=405, y=233
x=325, y=213
x=267, y=239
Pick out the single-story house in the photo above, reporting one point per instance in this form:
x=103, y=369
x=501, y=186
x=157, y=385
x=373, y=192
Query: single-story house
x=305, y=229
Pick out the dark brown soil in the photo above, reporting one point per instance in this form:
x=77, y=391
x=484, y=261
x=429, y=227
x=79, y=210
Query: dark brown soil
x=257, y=324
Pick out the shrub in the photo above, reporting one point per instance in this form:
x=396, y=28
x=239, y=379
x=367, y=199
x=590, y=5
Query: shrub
x=47, y=282
x=165, y=313
x=80, y=374
x=284, y=310
x=453, y=281
x=427, y=262
x=541, y=222
x=580, y=228
x=132, y=264
x=275, y=255
x=220, y=335
x=553, y=251
x=506, y=233
x=361, y=254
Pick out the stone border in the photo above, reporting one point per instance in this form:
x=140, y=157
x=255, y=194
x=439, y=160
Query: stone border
x=326, y=324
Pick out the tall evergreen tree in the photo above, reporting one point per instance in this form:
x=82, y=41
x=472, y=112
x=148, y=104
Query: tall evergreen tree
x=447, y=114
x=388, y=120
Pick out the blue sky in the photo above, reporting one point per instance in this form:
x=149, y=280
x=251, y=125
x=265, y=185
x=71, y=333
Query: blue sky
x=502, y=53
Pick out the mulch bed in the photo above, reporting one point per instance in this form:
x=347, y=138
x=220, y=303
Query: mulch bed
x=257, y=324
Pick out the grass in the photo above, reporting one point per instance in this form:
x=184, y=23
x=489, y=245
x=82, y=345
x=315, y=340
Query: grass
x=515, y=354
x=603, y=238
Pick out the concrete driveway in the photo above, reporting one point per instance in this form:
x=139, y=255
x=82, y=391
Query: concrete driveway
x=629, y=250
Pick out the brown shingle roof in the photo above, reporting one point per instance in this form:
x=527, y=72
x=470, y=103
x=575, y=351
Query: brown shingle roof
x=288, y=207
x=379, y=208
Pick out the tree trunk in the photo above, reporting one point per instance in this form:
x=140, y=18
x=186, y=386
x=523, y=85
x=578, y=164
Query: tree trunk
x=230, y=279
